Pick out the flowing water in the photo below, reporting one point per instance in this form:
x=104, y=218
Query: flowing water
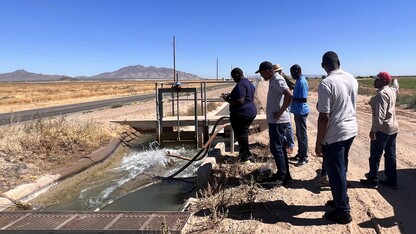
x=132, y=183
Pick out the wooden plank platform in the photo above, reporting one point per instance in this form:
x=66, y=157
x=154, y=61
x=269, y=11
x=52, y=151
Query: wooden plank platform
x=93, y=222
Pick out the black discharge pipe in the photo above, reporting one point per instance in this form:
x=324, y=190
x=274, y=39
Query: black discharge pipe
x=204, y=150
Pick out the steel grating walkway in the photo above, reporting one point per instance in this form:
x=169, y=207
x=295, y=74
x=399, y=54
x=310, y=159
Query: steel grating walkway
x=93, y=222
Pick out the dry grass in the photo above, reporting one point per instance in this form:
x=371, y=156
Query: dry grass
x=48, y=137
x=51, y=143
x=232, y=192
x=20, y=96
x=231, y=186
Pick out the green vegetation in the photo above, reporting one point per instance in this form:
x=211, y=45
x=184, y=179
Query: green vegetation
x=407, y=94
x=406, y=82
x=408, y=100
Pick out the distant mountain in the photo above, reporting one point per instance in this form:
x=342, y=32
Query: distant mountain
x=141, y=72
x=22, y=75
x=130, y=72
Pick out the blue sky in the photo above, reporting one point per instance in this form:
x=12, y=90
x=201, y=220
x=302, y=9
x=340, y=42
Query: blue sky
x=88, y=37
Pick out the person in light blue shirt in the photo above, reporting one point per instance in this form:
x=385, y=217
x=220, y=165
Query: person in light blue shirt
x=300, y=110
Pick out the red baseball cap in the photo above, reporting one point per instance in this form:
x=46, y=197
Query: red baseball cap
x=383, y=76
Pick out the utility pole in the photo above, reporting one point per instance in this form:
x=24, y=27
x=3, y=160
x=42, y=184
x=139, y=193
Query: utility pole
x=174, y=59
x=217, y=69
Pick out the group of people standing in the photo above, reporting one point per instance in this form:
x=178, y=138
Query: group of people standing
x=337, y=125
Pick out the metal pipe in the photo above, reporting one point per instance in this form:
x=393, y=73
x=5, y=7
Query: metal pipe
x=177, y=105
x=232, y=141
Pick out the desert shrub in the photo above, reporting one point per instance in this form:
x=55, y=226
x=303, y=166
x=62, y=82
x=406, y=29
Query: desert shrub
x=408, y=100
x=116, y=105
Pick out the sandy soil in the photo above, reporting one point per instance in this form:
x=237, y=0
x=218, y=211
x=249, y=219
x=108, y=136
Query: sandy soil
x=298, y=208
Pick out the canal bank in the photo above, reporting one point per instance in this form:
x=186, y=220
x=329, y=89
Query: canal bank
x=27, y=191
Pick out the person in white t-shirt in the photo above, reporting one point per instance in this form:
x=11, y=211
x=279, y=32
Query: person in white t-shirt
x=337, y=128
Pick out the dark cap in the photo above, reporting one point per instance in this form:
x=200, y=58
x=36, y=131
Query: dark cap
x=383, y=76
x=265, y=66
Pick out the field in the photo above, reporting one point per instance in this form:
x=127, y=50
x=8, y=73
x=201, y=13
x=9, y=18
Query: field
x=22, y=96
x=406, y=96
x=408, y=83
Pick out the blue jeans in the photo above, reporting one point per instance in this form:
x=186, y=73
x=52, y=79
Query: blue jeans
x=289, y=136
x=336, y=164
x=386, y=143
x=278, y=149
x=302, y=136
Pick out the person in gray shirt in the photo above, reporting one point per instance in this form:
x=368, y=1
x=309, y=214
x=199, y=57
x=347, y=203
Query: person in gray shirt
x=278, y=100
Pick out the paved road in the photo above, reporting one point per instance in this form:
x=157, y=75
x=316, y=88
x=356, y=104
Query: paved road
x=22, y=116
x=26, y=115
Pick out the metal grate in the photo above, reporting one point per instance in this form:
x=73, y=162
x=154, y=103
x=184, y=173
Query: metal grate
x=92, y=222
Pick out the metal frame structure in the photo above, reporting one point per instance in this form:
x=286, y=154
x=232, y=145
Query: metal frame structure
x=176, y=91
x=159, y=112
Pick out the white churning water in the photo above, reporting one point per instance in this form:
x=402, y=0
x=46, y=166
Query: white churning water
x=101, y=188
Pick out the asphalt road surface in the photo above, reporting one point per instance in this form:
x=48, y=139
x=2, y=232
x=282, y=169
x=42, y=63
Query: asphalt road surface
x=26, y=115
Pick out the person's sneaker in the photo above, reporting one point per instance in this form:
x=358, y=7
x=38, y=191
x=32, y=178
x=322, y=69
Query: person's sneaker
x=246, y=161
x=294, y=158
x=369, y=183
x=276, y=183
x=302, y=162
x=387, y=184
x=287, y=181
x=289, y=150
x=330, y=203
x=323, y=181
x=334, y=217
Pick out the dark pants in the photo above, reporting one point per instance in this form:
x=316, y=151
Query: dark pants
x=324, y=171
x=278, y=145
x=386, y=143
x=336, y=164
x=240, y=125
x=302, y=135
